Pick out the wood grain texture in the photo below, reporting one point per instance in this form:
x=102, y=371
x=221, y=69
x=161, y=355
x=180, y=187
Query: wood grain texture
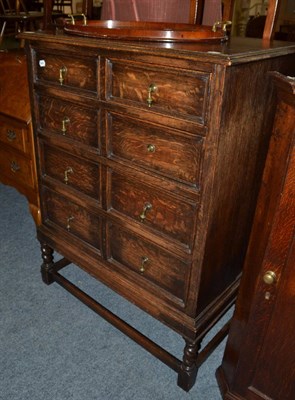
x=73, y=219
x=71, y=171
x=131, y=139
x=82, y=121
x=14, y=100
x=168, y=214
x=174, y=94
x=79, y=73
x=161, y=268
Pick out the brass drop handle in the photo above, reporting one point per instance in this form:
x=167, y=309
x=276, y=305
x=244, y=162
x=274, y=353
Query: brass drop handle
x=69, y=220
x=11, y=135
x=84, y=19
x=222, y=24
x=72, y=19
x=65, y=121
x=72, y=16
x=147, y=207
x=151, y=148
x=14, y=166
x=144, y=261
x=151, y=89
x=68, y=171
x=62, y=74
x=269, y=278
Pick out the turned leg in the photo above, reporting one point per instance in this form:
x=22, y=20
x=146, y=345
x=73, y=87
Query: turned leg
x=47, y=256
x=188, y=369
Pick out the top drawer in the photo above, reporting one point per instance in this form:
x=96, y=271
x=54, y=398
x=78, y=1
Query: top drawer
x=67, y=71
x=166, y=91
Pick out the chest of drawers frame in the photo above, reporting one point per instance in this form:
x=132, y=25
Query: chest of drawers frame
x=150, y=158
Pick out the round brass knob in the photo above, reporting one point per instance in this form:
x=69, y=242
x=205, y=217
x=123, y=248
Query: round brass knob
x=269, y=278
x=151, y=148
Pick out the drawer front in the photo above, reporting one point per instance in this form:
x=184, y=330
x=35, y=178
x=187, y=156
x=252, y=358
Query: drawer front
x=73, y=171
x=67, y=71
x=72, y=218
x=72, y=121
x=16, y=137
x=155, y=148
x=151, y=263
x=153, y=208
x=17, y=167
x=163, y=91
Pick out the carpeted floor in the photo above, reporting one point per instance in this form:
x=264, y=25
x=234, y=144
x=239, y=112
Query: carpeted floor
x=52, y=347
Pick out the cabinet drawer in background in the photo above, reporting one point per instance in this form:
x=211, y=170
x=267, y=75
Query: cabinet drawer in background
x=75, y=172
x=17, y=167
x=150, y=262
x=15, y=136
x=183, y=95
x=76, y=122
x=71, y=217
x=153, y=208
x=67, y=71
x=156, y=148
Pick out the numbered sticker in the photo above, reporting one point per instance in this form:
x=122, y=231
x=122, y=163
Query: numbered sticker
x=42, y=63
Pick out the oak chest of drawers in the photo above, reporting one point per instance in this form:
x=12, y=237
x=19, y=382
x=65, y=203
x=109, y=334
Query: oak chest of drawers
x=150, y=157
x=17, y=157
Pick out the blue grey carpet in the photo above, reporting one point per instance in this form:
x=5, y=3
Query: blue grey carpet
x=52, y=347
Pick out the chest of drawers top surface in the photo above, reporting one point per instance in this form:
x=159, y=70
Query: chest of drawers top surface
x=235, y=50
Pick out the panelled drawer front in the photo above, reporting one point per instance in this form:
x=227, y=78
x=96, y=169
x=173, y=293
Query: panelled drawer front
x=184, y=94
x=14, y=136
x=153, y=208
x=73, y=171
x=71, y=217
x=150, y=146
x=64, y=118
x=149, y=261
x=17, y=167
x=67, y=71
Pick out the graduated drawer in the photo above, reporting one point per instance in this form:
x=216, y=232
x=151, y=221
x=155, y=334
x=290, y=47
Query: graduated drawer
x=151, y=263
x=75, y=172
x=15, y=136
x=71, y=217
x=17, y=167
x=67, y=71
x=153, y=208
x=65, y=118
x=166, y=91
x=156, y=148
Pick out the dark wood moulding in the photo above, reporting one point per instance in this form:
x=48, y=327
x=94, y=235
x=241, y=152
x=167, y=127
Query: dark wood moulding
x=145, y=31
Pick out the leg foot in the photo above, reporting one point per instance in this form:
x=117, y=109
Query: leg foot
x=47, y=256
x=188, y=370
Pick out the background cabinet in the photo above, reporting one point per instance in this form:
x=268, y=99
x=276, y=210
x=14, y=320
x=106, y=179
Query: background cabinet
x=17, y=155
x=259, y=360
